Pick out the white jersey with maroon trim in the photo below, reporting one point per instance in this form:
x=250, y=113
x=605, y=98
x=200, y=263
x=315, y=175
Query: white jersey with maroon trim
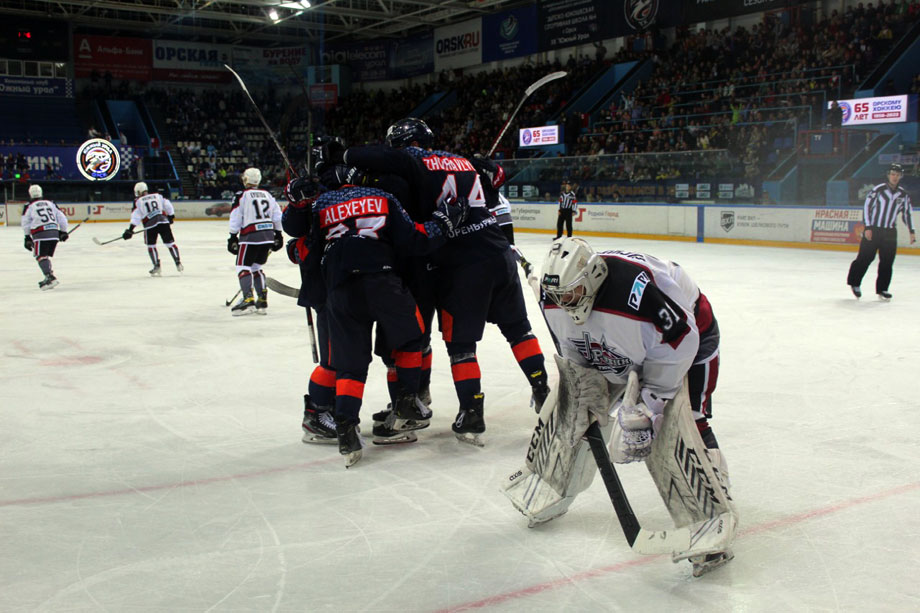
x=151, y=210
x=255, y=215
x=42, y=219
x=642, y=320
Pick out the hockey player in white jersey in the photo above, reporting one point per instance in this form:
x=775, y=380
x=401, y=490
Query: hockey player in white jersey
x=155, y=214
x=44, y=225
x=617, y=313
x=255, y=227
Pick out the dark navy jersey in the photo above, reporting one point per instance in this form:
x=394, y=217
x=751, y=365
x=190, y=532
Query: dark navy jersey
x=363, y=230
x=435, y=176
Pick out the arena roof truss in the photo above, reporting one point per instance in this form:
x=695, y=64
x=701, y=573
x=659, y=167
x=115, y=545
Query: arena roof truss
x=257, y=22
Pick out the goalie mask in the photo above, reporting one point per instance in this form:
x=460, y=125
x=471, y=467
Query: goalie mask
x=140, y=189
x=252, y=177
x=35, y=192
x=572, y=275
x=409, y=130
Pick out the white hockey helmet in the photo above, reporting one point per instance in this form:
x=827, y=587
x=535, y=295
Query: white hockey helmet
x=572, y=275
x=252, y=177
x=35, y=191
x=140, y=188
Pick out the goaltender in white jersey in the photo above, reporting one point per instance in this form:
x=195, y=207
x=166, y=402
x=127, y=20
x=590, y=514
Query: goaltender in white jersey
x=637, y=319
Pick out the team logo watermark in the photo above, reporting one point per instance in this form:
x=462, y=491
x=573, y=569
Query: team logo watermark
x=98, y=159
x=509, y=28
x=640, y=14
x=727, y=221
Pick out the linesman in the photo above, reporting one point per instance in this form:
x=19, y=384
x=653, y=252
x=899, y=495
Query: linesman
x=884, y=204
x=567, y=202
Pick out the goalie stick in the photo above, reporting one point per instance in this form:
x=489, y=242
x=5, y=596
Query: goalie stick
x=527, y=92
x=293, y=173
x=649, y=542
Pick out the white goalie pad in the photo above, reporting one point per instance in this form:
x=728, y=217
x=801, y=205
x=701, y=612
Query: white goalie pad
x=558, y=464
x=695, y=492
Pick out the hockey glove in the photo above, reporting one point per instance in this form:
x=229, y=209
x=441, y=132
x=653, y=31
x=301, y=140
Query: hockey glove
x=329, y=154
x=278, y=241
x=128, y=233
x=291, y=250
x=301, y=191
x=233, y=244
x=28, y=244
x=171, y=218
x=451, y=213
x=336, y=176
x=63, y=236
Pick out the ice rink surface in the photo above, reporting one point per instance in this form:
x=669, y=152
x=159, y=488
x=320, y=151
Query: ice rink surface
x=151, y=460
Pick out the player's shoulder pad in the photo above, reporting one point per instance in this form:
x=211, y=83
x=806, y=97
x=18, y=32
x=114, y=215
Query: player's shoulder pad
x=631, y=290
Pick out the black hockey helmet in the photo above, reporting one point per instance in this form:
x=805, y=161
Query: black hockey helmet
x=896, y=168
x=406, y=131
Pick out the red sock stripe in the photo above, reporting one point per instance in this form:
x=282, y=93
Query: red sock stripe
x=391, y=374
x=464, y=371
x=526, y=349
x=408, y=359
x=702, y=424
x=349, y=387
x=426, y=360
x=447, y=326
x=323, y=376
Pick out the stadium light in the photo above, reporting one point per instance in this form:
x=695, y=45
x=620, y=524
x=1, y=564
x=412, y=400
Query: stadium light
x=273, y=15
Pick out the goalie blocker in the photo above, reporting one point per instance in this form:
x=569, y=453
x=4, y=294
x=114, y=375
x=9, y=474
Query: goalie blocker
x=692, y=480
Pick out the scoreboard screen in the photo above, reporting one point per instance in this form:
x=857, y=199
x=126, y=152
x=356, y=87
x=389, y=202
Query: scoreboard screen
x=24, y=38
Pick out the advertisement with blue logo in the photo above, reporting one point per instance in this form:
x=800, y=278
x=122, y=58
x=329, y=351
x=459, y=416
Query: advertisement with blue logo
x=509, y=34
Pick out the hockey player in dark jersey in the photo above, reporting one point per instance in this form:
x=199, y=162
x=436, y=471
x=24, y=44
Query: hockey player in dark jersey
x=318, y=422
x=359, y=231
x=475, y=276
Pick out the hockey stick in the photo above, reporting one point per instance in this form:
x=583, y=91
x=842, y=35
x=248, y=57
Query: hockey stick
x=293, y=174
x=233, y=297
x=262, y=119
x=286, y=290
x=649, y=542
x=277, y=286
x=74, y=229
x=533, y=87
x=120, y=238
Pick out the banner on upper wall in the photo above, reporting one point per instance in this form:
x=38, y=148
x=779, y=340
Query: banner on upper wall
x=198, y=62
x=276, y=66
x=866, y=111
x=565, y=23
x=367, y=60
x=60, y=161
x=411, y=58
x=708, y=10
x=34, y=86
x=509, y=34
x=123, y=58
x=458, y=46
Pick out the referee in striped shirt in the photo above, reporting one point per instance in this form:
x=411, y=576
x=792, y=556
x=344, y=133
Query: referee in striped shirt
x=883, y=205
x=567, y=204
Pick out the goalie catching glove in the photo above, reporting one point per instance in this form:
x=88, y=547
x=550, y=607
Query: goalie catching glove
x=451, y=214
x=636, y=423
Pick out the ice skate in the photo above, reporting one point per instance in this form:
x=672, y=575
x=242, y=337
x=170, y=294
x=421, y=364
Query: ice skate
x=706, y=563
x=381, y=416
x=245, y=306
x=179, y=266
x=49, y=282
x=350, y=442
x=856, y=291
x=155, y=271
x=884, y=296
x=262, y=302
x=469, y=423
x=318, y=427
